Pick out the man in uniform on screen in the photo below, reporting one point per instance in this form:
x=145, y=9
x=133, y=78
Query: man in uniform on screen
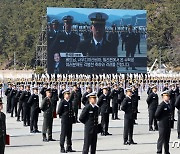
x=53, y=31
x=130, y=44
x=66, y=41
x=114, y=38
x=97, y=45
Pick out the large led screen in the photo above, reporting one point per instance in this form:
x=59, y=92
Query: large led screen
x=88, y=40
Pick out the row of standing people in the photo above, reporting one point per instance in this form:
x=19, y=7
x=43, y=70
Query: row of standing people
x=129, y=104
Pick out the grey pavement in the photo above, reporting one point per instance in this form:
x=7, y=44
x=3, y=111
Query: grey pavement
x=22, y=142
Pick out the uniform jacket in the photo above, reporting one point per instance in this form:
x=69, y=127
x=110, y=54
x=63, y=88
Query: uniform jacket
x=89, y=117
x=163, y=115
x=152, y=101
x=127, y=107
x=85, y=99
x=65, y=111
x=25, y=97
x=47, y=107
x=54, y=96
x=65, y=43
x=104, y=103
x=34, y=102
x=114, y=95
x=88, y=48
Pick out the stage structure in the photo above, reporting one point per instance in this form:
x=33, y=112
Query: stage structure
x=41, y=47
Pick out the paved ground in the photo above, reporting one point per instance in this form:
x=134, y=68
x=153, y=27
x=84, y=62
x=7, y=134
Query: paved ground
x=22, y=142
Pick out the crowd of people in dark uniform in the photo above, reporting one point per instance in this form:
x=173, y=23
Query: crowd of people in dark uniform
x=95, y=40
x=108, y=99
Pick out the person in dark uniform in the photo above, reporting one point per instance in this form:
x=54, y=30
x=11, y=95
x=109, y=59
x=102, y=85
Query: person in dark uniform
x=66, y=41
x=177, y=90
x=85, y=100
x=7, y=93
x=13, y=100
x=135, y=99
x=97, y=46
x=35, y=110
x=166, y=87
x=114, y=96
x=137, y=39
x=121, y=95
x=43, y=90
x=177, y=105
x=61, y=96
x=113, y=37
x=52, y=32
x=20, y=103
x=130, y=44
x=2, y=129
x=152, y=102
x=79, y=94
x=54, y=96
x=123, y=34
x=75, y=99
x=89, y=117
x=172, y=94
x=104, y=104
x=26, y=108
x=127, y=107
x=164, y=116
x=100, y=91
x=47, y=108
x=149, y=91
x=66, y=113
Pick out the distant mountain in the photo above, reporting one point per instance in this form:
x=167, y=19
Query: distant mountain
x=78, y=17
x=113, y=19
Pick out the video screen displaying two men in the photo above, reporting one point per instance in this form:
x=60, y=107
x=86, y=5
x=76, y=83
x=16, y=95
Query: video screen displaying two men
x=82, y=40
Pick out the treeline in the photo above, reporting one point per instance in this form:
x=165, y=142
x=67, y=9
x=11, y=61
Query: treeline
x=20, y=25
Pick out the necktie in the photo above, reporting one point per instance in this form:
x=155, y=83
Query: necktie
x=98, y=47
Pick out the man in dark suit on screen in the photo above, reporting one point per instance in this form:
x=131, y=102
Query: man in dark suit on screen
x=66, y=41
x=97, y=46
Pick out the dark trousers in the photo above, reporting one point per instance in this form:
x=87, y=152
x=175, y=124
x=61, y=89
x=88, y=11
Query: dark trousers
x=8, y=104
x=79, y=104
x=105, y=122
x=54, y=105
x=47, y=127
x=26, y=115
x=66, y=132
x=138, y=46
x=164, y=136
x=20, y=111
x=178, y=123
x=13, y=107
x=90, y=140
x=114, y=110
x=76, y=112
x=130, y=53
x=173, y=111
x=2, y=148
x=152, y=119
x=128, y=129
x=34, y=121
